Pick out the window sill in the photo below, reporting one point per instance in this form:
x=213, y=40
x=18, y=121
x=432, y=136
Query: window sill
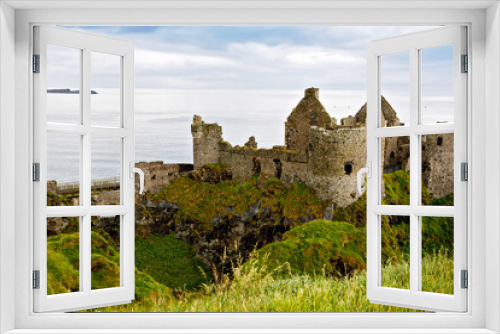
x=250, y=331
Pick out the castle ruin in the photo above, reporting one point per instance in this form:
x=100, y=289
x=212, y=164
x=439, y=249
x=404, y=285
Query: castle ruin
x=326, y=156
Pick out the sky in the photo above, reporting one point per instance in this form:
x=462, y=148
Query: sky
x=251, y=57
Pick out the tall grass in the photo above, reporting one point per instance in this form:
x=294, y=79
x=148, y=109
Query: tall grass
x=257, y=289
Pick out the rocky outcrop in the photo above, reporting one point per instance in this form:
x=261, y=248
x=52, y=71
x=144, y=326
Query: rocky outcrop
x=211, y=174
x=226, y=241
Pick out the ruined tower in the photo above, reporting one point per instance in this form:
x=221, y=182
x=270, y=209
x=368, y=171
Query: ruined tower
x=309, y=112
x=206, y=139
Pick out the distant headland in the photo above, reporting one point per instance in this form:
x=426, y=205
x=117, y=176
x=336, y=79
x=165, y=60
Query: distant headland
x=67, y=91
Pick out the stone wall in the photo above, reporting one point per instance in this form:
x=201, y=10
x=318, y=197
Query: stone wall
x=335, y=157
x=157, y=176
x=329, y=165
x=396, y=154
x=437, y=164
x=246, y=162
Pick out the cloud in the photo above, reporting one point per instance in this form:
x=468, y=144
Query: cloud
x=157, y=60
x=254, y=57
x=291, y=55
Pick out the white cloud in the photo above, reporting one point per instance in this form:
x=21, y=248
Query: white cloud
x=320, y=56
x=290, y=54
x=325, y=57
x=149, y=59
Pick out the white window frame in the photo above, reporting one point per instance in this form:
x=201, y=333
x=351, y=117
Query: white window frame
x=86, y=44
x=484, y=50
x=375, y=131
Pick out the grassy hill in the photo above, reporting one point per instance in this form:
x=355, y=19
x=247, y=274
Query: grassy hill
x=63, y=268
x=170, y=262
x=259, y=289
x=334, y=249
x=202, y=201
x=318, y=266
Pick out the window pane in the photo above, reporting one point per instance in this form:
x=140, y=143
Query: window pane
x=63, y=169
x=395, y=170
x=395, y=89
x=437, y=169
x=63, y=255
x=395, y=252
x=437, y=254
x=105, y=94
x=63, y=84
x=105, y=252
x=437, y=85
x=106, y=170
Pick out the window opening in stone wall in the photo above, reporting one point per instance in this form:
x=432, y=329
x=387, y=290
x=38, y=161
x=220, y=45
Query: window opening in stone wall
x=250, y=139
x=277, y=168
x=348, y=168
x=256, y=167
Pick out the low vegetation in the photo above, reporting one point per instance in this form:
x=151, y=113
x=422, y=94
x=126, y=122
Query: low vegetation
x=317, y=266
x=202, y=201
x=170, y=262
x=335, y=249
x=63, y=268
x=258, y=289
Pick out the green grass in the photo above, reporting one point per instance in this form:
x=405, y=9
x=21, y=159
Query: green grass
x=437, y=232
x=63, y=263
x=200, y=202
x=63, y=268
x=336, y=249
x=170, y=262
x=254, y=287
x=258, y=289
x=317, y=267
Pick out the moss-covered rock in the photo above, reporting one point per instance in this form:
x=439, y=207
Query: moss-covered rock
x=227, y=220
x=211, y=173
x=201, y=202
x=333, y=248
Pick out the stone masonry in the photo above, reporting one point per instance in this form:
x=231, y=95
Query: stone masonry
x=437, y=152
x=157, y=176
x=206, y=140
x=324, y=155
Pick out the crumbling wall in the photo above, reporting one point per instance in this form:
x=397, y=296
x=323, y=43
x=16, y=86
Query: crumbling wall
x=437, y=164
x=206, y=139
x=157, y=176
x=388, y=115
x=245, y=163
x=396, y=154
x=335, y=157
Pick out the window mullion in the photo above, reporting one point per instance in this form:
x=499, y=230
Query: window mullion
x=85, y=189
x=414, y=171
